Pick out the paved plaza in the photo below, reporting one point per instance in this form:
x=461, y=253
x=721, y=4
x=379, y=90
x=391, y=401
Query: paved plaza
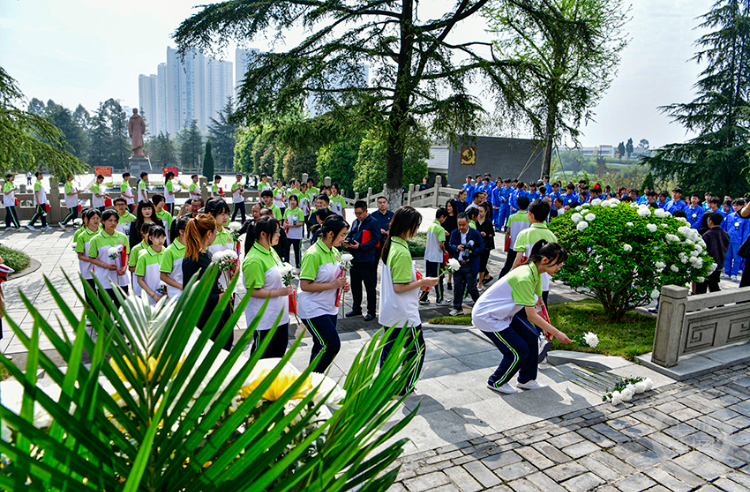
x=691, y=435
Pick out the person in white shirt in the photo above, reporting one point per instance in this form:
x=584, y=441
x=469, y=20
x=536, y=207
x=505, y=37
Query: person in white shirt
x=40, y=203
x=9, y=202
x=126, y=191
x=71, y=201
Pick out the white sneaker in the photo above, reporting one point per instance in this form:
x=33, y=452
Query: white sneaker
x=724, y=276
x=543, y=365
x=734, y=278
x=426, y=302
x=30, y=227
x=62, y=226
x=45, y=228
x=455, y=312
x=531, y=385
x=469, y=301
x=505, y=389
x=445, y=302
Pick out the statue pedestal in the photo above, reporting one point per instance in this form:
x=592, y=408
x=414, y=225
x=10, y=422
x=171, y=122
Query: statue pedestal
x=139, y=165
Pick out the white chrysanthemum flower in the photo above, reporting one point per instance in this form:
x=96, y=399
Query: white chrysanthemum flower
x=651, y=227
x=640, y=387
x=585, y=205
x=627, y=394
x=693, y=260
x=654, y=294
x=649, y=383
x=695, y=253
x=698, y=249
x=682, y=219
x=591, y=339
x=234, y=226
x=684, y=230
x=701, y=243
x=590, y=217
x=700, y=280
x=579, y=208
x=629, y=224
x=660, y=213
x=582, y=225
x=644, y=211
x=660, y=265
x=628, y=248
x=634, y=205
x=671, y=237
x=453, y=265
x=616, y=398
x=674, y=268
x=576, y=218
x=596, y=202
x=712, y=268
x=664, y=226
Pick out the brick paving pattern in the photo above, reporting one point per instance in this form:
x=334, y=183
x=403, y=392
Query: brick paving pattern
x=693, y=435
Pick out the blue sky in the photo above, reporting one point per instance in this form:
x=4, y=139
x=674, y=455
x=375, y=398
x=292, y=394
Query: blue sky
x=86, y=51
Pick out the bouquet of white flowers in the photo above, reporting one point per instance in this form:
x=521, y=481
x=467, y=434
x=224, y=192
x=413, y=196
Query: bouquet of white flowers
x=626, y=388
x=452, y=266
x=227, y=261
x=286, y=273
x=234, y=230
x=588, y=339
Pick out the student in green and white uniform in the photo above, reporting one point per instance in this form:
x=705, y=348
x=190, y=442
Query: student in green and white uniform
x=261, y=272
x=219, y=210
x=312, y=191
x=9, y=202
x=147, y=269
x=40, y=204
x=109, y=271
x=71, y=201
x=516, y=223
x=124, y=218
x=135, y=252
x=472, y=214
x=195, y=188
x=161, y=214
x=98, y=194
x=294, y=221
x=238, y=199
x=399, y=290
x=322, y=277
x=142, y=191
x=169, y=193
x=279, y=197
x=266, y=199
x=216, y=189
x=336, y=203
x=433, y=254
x=264, y=184
x=171, y=262
x=496, y=314
x=126, y=191
x=91, y=218
x=527, y=238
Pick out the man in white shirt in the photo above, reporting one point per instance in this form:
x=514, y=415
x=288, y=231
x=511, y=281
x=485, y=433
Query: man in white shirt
x=40, y=202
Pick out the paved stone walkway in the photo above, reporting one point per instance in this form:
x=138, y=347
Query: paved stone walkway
x=693, y=435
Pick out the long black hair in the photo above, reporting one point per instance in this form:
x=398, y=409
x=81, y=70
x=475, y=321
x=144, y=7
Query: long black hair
x=554, y=252
x=177, y=226
x=406, y=220
x=266, y=224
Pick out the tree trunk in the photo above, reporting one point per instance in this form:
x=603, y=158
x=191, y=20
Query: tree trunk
x=549, y=135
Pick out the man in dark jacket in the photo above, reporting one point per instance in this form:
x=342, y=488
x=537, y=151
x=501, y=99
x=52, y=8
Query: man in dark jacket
x=717, y=244
x=361, y=241
x=466, y=245
x=383, y=216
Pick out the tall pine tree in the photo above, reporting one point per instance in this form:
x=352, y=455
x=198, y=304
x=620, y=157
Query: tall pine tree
x=221, y=132
x=718, y=159
x=208, y=162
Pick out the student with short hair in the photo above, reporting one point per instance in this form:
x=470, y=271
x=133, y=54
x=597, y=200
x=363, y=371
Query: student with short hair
x=321, y=280
x=194, y=189
x=496, y=315
x=676, y=202
x=694, y=212
x=294, y=221
x=337, y=202
x=469, y=188
x=529, y=236
x=170, y=270
x=142, y=191
x=97, y=194
x=125, y=218
x=238, y=199
x=40, y=203
x=279, y=198
x=216, y=191
x=91, y=219
x=109, y=271
x=264, y=184
x=399, y=291
x=169, y=192
x=266, y=198
x=71, y=201
x=126, y=191
x=9, y=202
x=149, y=261
x=312, y=191
x=434, y=253
x=261, y=270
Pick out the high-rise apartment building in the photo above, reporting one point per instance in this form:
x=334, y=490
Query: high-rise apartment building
x=184, y=89
x=242, y=59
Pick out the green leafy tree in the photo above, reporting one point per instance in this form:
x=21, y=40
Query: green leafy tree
x=73, y=133
x=100, y=141
x=296, y=163
x=222, y=134
x=718, y=159
x=644, y=143
x=621, y=150
x=421, y=73
x=566, y=53
x=268, y=160
x=191, y=146
x=161, y=150
x=629, y=147
x=623, y=255
x=27, y=139
x=338, y=160
x=208, y=162
x=119, y=141
x=82, y=117
x=370, y=170
x=243, y=150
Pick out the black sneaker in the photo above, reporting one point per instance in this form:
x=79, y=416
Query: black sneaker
x=351, y=314
x=450, y=286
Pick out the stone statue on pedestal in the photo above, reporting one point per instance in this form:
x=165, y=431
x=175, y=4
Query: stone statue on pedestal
x=136, y=130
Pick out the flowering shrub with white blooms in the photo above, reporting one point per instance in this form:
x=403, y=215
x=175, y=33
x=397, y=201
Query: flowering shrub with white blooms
x=623, y=254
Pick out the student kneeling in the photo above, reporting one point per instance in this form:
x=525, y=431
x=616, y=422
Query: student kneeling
x=496, y=314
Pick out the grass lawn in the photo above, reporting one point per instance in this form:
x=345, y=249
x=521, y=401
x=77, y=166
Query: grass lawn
x=17, y=260
x=631, y=336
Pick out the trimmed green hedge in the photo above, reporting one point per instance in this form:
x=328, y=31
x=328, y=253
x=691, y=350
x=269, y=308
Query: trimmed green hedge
x=17, y=260
x=417, y=245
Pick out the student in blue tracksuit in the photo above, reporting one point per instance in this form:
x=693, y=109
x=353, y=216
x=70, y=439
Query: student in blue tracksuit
x=738, y=229
x=661, y=200
x=695, y=212
x=533, y=193
x=570, y=195
x=504, y=205
x=554, y=191
x=676, y=202
x=519, y=192
x=496, y=200
x=470, y=188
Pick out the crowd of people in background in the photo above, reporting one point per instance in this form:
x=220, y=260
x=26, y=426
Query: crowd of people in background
x=299, y=223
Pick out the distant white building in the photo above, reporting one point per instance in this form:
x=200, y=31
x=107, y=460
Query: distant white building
x=242, y=59
x=148, y=102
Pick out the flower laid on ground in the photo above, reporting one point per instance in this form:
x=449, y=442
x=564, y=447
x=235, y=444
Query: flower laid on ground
x=626, y=388
x=234, y=230
x=588, y=339
x=286, y=273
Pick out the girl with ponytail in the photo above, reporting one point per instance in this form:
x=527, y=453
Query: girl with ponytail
x=200, y=233
x=321, y=277
x=262, y=274
x=497, y=311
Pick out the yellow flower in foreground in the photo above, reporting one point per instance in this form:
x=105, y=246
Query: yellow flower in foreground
x=148, y=369
x=282, y=382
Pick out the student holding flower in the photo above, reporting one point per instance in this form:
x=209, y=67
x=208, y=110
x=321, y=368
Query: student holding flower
x=496, y=314
x=219, y=210
x=135, y=252
x=399, y=289
x=171, y=262
x=109, y=268
x=433, y=254
x=262, y=271
x=91, y=219
x=149, y=262
x=322, y=277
